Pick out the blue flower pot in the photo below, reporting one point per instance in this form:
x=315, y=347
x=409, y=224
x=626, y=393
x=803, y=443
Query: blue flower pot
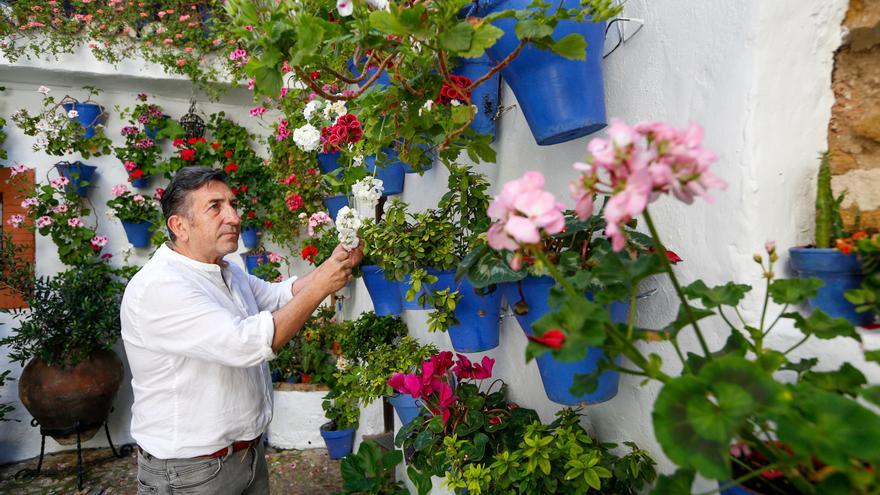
x=384, y=293
x=79, y=174
x=252, y=261
x=558, y=376
x=406, y=406
x=339, y=442
x=276, y=376
x=138, y=233
x=328, y=162
x=250, y=237
x=383, y=81
x=444, y=279
x=840, y=272
x=484, y=96
x=89, y=115
x=479, y=316
x=392, y=174
x=734, y=490
x=153, y=130
x=561, y=99
x=144, y=181
x=334, y=204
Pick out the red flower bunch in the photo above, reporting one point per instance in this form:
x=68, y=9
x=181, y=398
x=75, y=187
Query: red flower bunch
x=309, y=252
x=294, y=201
x=848, y=245
x=553, y=338
x=458, y=91
x=432, y=383
x=188, y=154
x=136, y=173
x=231, y=167
x=346, y=130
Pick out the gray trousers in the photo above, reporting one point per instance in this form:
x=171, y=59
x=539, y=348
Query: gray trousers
x=242, y=473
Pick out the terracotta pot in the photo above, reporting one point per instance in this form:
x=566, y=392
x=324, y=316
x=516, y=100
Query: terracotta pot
x=59, y=397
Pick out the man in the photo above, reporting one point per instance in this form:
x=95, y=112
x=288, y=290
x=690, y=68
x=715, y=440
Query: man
x=198, y=332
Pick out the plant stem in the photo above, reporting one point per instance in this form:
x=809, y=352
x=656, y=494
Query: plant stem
x=632, y=312
x=776, y=320
x=796, y=345
x=661, y=253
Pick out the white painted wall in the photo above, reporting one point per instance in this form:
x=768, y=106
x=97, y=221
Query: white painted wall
x=756, y=74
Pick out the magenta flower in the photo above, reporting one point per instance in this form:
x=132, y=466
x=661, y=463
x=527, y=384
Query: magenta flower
x=98, y=242
x=257, y=111
x=445, y=400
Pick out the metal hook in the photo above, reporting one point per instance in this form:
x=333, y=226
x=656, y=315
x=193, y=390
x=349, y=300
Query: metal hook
x=622, y=36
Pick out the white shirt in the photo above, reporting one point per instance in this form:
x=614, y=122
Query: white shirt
x=197, y=337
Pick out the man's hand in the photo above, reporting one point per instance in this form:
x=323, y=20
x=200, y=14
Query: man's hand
x=335, y=272
x=357, y=254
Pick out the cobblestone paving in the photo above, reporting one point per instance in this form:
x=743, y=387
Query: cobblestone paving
x=295, y=472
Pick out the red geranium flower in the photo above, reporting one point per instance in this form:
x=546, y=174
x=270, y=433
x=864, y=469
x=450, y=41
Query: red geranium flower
x=456, y=91
x=178, y=142
x=552, y=338
x=227, y=154
x=136, y=173
x=215, y=145
x=192, y=140
x=268, y=224
x=251, y=214
x=309, y=252
x=231, y=167
x=188, y=154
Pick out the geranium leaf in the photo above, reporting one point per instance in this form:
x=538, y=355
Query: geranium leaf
x=821, y=325
x=571, y=46
x=729, y=294
x=794, y=290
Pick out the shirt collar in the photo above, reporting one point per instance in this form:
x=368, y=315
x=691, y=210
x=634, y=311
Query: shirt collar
x=166, y=252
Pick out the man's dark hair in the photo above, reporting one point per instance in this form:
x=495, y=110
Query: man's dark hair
x=174, y=199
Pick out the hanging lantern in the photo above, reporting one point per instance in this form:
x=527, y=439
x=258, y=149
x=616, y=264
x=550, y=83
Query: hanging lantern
x=193, y=125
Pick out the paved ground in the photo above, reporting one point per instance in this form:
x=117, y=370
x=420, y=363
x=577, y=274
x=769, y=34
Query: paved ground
x=295, y=472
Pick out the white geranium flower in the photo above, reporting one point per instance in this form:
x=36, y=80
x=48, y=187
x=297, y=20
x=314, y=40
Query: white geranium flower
x=357, y=160
x=345, y=7
x=367, y=192
x=426, y=107
x=337, y=107
x=44, y=90
x=73, y=114
x=310, y=109
x=307, y=138
x=348, y=222
x=341, y=363
x=455, y=103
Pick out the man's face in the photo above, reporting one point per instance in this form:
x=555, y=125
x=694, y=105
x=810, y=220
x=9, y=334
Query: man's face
x=213, y=221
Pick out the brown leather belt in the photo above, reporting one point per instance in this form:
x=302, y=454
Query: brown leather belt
x=236, y=446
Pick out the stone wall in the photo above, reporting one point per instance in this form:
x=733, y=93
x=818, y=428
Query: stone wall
x=854, y=130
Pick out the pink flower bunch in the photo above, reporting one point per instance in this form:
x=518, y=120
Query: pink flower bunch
x=283, y=132
x=29, y=202
x=98, y=242
x=129, y=166
x=522, y=212
x=238, y=54
x=119, y=190
x=75, y=222
x=17, y=169
x=62, y=208
x=347, y=129
x=273, y=257
x=15, y=221
x=478, y=371
x=635, y=165
x=318, y=219
x=43, y=221
x=59, y=183
x=257, y=111
x=129, y=131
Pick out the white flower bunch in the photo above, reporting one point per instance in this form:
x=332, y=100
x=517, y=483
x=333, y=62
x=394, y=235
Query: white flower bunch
x=307, y=138
x=310, y=109
x=348, y=222
x=367, y=192
x=337, y=108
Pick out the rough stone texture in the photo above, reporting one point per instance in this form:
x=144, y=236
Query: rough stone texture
x=854, y=130
x=293, y=472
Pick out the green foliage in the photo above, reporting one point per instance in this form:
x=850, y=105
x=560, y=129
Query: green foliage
x=371, y=471
x=133, y=207
x=867, y=296
x=69, y=315
x=362, y=336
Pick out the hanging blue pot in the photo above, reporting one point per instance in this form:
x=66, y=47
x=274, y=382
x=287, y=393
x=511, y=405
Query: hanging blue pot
x=479, y=316
x=391, y=175
x=144, y=181
x=339, y=442
x=79, y=174
x=840, y=272
x=445, y=279
x=384, y=293
x=334, y=204
x=88, y=114
x=138, y=233
x=735, y=489
x=382, y=82
x=558, y=376
x=484, y=96
x=252, y=261
x=250, y=237
x=153, y=130
x=406, y=406
x=328, y=161
x=561, y=99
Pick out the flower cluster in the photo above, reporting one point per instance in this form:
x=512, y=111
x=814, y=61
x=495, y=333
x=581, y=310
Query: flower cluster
x=522, y=212
x=367, y=192
x=346, y=130
x=348, y=222
x=307, y=138
x=637, y=164
x=130, y=207
x=458, y=91
x=316, y=221
x=849, y=244
x=432, y=382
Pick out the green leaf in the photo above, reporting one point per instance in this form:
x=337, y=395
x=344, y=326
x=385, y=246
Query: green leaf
x=683, y=320
x=794, y=290
x=847, y=380
x=387, y=23
x=267, y=80
x=421, y=480
x=532, y=29
x=729, y=294
x=872, y=394
x=572, y=46
x=485, y=35
x=458, y=38
x=820, y=325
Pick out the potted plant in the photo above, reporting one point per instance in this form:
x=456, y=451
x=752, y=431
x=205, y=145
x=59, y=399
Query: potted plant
x=839, y=271
x=338, y=432
x=867, y=296
x=58, y=131
x=141, y=154
x=55, y=211
x=137, y=213
x=72, y=375
x=79, y=176
x=371, y=471
x=480, y=442
x=809, y=412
